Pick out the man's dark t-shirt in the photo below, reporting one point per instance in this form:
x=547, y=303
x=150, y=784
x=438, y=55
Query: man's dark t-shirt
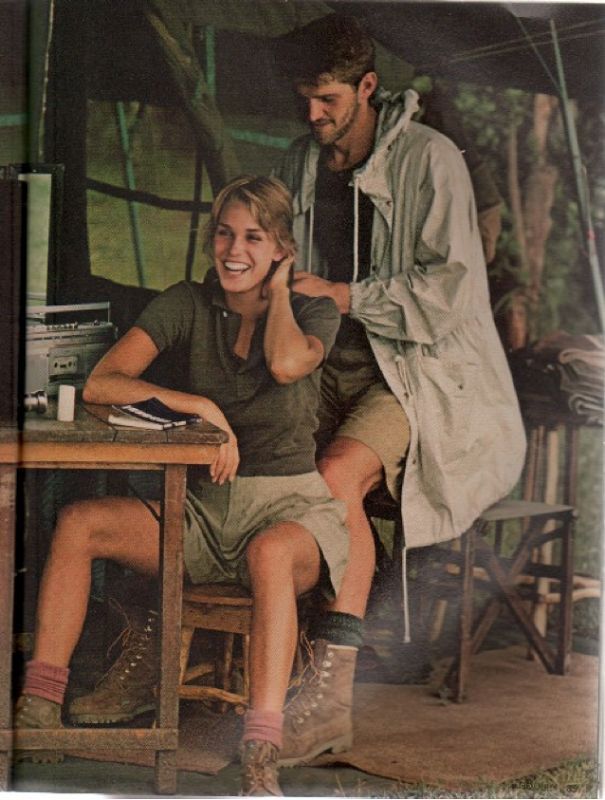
x=334, y=237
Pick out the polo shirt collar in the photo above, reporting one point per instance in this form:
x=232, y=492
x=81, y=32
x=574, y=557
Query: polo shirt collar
x=215, y=290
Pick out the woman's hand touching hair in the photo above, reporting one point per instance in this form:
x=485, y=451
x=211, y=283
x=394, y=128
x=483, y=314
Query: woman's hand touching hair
x=280, y=276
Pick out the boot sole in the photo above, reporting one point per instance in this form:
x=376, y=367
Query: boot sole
x=337, y=745
x=38, y=757
x=102, y=719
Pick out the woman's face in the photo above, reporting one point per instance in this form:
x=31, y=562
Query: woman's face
x=243, y=251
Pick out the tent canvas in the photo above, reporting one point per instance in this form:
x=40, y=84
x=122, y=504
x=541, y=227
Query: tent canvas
x=124, y=50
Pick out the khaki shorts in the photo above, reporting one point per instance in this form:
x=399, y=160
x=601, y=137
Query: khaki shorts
x=357, y=403
x=220, y=521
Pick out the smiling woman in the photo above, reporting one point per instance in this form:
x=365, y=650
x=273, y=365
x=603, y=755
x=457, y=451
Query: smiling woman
x=262, y=516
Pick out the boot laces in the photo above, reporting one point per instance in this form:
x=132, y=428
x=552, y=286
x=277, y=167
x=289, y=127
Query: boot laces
x=134, y=644
x=259, y=761
x=311, y=682
x=32, y=711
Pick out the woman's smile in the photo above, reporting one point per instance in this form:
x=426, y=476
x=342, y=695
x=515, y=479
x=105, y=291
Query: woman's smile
x=236, y=266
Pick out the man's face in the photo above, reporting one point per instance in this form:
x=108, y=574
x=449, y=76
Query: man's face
x=330, y=109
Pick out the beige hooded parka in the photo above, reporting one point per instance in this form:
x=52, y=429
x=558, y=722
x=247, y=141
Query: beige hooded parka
x=426, y=310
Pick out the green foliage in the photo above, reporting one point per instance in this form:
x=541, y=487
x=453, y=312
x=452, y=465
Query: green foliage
x=488, y=115
x=567, y=295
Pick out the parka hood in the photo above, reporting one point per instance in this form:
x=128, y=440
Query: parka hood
x=395, y=111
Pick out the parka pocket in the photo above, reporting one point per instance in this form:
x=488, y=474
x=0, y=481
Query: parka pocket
x=447, y=392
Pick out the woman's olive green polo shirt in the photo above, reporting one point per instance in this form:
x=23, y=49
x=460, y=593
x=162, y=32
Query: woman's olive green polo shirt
x=274, y=424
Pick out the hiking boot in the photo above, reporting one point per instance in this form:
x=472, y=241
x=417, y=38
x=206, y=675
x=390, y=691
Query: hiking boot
x=259, y=769
x=318, y=717
x=32, y=711
x=128, y=688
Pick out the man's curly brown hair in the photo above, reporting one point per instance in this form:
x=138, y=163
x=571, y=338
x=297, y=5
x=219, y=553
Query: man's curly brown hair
x=335, y=47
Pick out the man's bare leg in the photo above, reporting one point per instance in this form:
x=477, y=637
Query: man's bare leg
x=319, y=718
x=351, y=470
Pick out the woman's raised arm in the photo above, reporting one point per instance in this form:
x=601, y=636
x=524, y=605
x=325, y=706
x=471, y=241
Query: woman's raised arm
x=290, y=353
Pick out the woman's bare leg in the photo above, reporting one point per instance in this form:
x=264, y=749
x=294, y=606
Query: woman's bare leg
x=284, y=562
x=118, y=528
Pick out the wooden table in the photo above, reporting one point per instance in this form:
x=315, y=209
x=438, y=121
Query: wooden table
x=90, y=443
x=553, y=437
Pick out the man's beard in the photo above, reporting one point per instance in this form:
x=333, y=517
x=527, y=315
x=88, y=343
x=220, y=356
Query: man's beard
x=336, y=134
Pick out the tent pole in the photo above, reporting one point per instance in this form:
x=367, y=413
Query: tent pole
x=581, y=182
x=133, y=209
x=209, y=42
x=210, y=68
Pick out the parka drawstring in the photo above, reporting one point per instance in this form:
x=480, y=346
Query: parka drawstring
x=404, y=596
x=355, y=229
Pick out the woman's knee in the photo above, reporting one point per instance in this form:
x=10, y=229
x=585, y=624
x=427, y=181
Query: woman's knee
x=267, y=554
x=74, y=527
x=81, y=527
x=286, y=555
x=119, y=528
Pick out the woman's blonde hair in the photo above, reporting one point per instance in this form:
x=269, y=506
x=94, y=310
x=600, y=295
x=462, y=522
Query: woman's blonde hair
x=269, y=202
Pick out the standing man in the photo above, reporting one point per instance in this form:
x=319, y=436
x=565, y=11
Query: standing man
x=416, y=391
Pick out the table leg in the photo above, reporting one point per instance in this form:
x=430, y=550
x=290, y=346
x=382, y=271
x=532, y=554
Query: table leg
x=540, y=613
x=566, y=598
x=171, y=589
x=8, y=475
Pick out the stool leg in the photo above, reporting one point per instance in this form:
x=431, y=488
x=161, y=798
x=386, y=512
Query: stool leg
x=186, y=639
x=227, y=663
x=246, y=665
x=226, y=666
x=437, y=619
x=466, y=613
x=456, y=679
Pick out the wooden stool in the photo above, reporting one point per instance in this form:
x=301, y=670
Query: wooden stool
x=226, y=608
x=512, y=581
x=454, y=571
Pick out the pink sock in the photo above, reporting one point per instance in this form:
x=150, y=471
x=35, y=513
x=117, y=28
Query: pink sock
x=46, y=680
x=263, y=726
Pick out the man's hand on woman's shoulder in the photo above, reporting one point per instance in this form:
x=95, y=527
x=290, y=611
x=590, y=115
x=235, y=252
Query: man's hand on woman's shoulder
x=314, y=286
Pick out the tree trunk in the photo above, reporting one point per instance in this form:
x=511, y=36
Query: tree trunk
x=516, y=315
x=532, y=222
x=538, y=199
x=212, y=137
